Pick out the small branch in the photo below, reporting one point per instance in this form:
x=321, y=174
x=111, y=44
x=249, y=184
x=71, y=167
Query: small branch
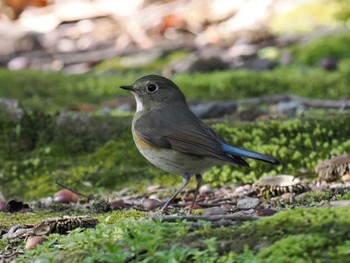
x=316, y=103
x=308, y=102
x=70, y=189
x=206, y=218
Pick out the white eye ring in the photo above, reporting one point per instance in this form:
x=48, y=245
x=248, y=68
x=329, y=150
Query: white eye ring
x=151, y=88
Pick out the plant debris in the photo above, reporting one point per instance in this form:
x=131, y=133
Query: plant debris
x=335, y=168
x=278, y=185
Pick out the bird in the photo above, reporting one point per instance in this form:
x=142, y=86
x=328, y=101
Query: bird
x=171, y=137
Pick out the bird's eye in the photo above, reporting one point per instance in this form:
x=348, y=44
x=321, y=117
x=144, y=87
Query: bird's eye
x=151, y=88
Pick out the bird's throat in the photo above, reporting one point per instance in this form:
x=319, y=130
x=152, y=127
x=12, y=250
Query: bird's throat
x=139, y=105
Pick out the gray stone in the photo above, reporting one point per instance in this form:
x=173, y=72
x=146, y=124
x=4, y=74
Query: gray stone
x=340, y=203
x=214, y=109
x=248, y=203
x=214, y=211
x=206, y=189
x=259, y=64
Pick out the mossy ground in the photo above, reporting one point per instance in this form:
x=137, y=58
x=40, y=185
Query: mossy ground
x=90, y=158
x=300, y=235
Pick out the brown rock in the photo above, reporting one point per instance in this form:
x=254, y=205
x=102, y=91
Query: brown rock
x=151, y=204
x=65, y=196
x=2, y=205
x=32, y=241
x=117, y=204
x=194, y=207
x=265, y=212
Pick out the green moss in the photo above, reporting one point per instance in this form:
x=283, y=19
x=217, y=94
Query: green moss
x=327, y=46
x=297, y=143
x=9, y=219
x=308, y=82
x=343, y=196
x=312, y=235
x=301, y=235
x=312, y=198
x=53, y=91
x=303, y=248
x=99, y=154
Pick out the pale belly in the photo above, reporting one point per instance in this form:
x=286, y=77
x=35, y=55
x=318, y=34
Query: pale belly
x=176, y=162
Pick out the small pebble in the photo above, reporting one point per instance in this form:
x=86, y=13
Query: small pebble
x=206, y=189
x=227, y=207
x=151, y=204
x=329, y=63
x=214, y=211
x=239, y=190
x=153, y=188
x=32, y=241
x=288, y=198
x=65, y=196
x=47, y=201
x=249, y=212
x=248, y=203
x=2, y=205
x=187, y=197
x=21, y=231
x=265, y=212
x=243, y=190
x=117, y=204
x=345, y=177
x=194, y=207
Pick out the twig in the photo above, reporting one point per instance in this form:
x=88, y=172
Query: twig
x=70, y=189
x=308, y=102
x=206, y=218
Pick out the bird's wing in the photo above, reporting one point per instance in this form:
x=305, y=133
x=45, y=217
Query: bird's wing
x=191, y=137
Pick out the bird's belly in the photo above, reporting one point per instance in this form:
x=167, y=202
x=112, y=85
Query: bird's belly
x=177, y=162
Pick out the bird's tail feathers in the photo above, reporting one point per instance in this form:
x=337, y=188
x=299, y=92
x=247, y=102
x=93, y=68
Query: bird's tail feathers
x=249, y=154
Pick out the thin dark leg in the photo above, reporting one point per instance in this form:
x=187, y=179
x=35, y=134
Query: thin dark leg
x=185, y=180
x=199, y=180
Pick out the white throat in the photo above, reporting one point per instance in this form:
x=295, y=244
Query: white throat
x=139, y=105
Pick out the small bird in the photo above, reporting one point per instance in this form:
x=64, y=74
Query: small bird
x=170, y=136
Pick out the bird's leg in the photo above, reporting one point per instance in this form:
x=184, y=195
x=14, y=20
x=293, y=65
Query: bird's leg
x=199, y=180
x=185, y=180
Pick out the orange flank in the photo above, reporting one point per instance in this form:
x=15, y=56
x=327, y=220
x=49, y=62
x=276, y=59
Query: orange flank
x=140, y=143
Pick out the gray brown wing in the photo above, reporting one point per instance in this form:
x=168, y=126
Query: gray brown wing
x=192, y=137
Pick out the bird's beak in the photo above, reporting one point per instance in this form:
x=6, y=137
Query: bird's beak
x=130, y=88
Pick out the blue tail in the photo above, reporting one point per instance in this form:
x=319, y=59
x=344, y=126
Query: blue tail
x=249, y=154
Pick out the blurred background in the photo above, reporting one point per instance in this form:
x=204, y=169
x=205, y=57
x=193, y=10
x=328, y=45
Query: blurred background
x=76, y=36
